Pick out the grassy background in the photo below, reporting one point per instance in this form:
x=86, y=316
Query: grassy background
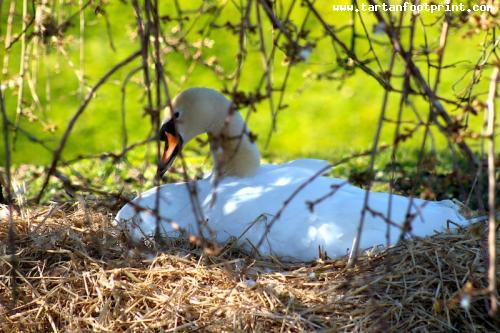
x=325, y=119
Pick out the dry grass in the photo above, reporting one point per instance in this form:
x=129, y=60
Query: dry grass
x=75, y=274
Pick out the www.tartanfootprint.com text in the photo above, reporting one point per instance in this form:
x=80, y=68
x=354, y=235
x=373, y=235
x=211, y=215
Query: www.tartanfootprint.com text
x=408, y=6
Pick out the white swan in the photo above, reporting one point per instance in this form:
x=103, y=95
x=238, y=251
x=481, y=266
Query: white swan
x=241, y=198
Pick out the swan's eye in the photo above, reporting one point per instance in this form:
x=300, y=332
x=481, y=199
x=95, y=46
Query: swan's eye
x=176, y=115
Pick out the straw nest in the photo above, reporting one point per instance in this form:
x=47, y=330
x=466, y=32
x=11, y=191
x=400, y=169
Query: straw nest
x=73, y=273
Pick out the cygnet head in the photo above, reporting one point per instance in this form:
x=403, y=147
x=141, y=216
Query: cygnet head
x=202, y=110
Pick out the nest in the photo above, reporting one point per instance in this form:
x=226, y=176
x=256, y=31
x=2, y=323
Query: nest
x=72, y=273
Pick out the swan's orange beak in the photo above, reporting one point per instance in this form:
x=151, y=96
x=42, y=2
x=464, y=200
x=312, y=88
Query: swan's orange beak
x=173, y=145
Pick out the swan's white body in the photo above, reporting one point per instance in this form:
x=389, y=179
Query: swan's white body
x=243, y=207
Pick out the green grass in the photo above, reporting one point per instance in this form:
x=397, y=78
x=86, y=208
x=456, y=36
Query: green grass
x=324, y=119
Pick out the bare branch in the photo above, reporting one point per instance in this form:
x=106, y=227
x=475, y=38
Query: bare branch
x=72, y=122
x=492, y=225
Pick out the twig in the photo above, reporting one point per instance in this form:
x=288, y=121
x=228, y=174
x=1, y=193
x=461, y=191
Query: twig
x=22, y=68
x=357, y=239
x=82, y=48
x=344, y=47
x=114, y=156
x=490, y=134
x=11, y=236
x=267, y=72
x=21, y=34
x=71, y=124
x=287, y=202
x=123, y=106
x=437, y=106
x=8, y=35
x=159, y=76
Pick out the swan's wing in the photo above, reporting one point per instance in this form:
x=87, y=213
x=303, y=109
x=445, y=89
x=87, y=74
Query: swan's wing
x=310, y=164
x=171, y=212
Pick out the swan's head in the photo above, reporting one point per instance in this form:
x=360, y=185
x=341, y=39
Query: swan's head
x=194, y=111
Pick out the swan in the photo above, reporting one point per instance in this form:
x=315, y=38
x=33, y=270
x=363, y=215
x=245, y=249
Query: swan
x=289, y=211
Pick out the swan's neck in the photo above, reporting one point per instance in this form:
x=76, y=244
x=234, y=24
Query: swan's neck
x=233, y=152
